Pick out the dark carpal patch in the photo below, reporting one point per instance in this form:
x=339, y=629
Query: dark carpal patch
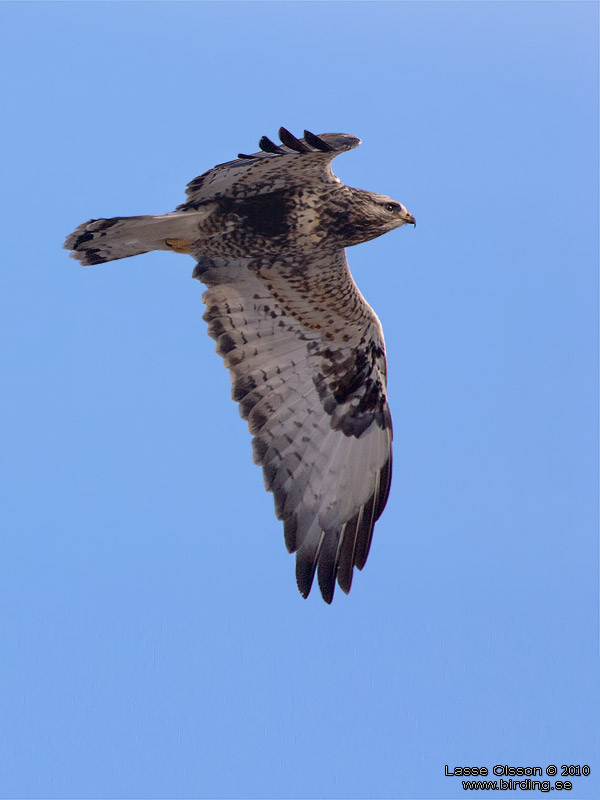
x=351, y=389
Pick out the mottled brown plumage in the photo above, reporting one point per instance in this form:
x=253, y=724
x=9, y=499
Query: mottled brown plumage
x=304, y=349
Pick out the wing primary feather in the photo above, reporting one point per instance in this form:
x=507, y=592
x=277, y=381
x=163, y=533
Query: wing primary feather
x=346, y=568
x=290, y=528
x=306, y=564
x=384, y=490
x=317, y=142
x=243, y=155
x=290, y=141
x=328, y=561
x=365, y=532
x=270, y=147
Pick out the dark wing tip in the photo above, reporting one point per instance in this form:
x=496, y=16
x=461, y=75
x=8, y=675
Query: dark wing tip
x=359, y=530
x=328, y=565
x=268, y=146
x=318, y=143
x=335, y=555
x=326, y=594
x=289, y=140
x=345, y=571
x=364, y=533
x=305, y=575
x=307, y=558
x=325, y=143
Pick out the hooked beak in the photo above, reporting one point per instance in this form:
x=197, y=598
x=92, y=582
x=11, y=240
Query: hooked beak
x=409, y=219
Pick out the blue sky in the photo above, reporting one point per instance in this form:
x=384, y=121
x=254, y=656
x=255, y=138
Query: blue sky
x=154, y=643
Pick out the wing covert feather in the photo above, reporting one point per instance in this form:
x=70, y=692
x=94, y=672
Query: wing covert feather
x=276, y=167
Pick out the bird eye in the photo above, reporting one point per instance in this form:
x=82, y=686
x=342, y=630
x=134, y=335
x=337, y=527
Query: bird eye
x=391, y=206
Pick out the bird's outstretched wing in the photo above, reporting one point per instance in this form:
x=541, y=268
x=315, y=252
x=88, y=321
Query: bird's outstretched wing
x=276, y=166
x=307, y=362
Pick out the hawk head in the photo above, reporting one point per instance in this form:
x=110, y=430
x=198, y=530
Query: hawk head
x=369, y=215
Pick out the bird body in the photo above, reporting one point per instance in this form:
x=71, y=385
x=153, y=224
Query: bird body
x=304, y=349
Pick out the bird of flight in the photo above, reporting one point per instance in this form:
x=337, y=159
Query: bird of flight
x=304, y=349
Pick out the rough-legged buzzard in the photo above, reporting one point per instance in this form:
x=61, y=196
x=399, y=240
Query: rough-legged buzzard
x=304, y=349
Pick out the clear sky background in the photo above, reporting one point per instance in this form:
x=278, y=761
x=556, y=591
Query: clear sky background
x=153, y=640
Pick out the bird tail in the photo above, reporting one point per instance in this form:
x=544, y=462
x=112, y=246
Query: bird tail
x=101, y=240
